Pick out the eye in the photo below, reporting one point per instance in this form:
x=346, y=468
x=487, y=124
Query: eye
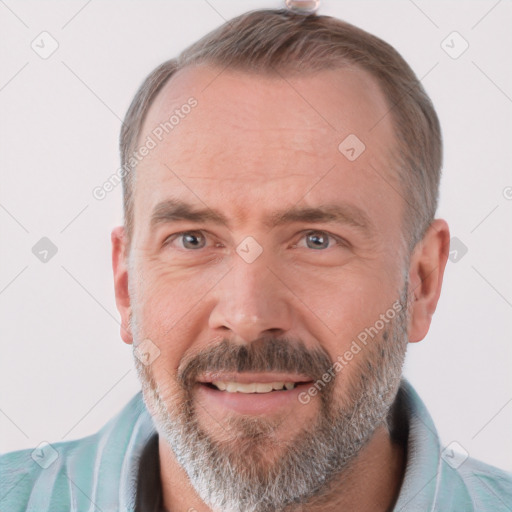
x=320, y=240
x=189, y=239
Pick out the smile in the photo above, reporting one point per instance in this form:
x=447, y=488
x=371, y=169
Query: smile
x=251, y=393
x=253, y=387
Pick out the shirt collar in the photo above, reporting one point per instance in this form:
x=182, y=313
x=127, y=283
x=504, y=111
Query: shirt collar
x=420, y=480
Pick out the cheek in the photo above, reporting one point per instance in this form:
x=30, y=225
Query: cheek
x=166, y=295
x=344, y=300
x=171, y=314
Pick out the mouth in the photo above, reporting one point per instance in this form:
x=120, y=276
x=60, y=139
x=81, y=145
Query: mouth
x=252, y=393
x=252, y=382
x=252, y=387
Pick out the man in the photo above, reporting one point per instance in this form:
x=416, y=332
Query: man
x=279, y=251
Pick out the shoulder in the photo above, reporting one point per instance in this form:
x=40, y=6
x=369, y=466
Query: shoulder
x=54, y=476
x=485, y=487
x=45, y=467
x=443, y=479
x=490, y=487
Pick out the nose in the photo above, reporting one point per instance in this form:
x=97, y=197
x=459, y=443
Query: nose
x=250, y=302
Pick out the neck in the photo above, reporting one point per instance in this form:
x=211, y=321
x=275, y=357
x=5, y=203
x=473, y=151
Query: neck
x=371, y=483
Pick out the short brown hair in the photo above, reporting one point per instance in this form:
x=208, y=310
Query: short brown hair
x=270, y=41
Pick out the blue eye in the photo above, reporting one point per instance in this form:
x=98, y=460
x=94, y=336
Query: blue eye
x=190, y=239
x=319, y=240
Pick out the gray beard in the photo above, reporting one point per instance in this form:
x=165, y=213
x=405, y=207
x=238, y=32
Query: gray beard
x=241, y=472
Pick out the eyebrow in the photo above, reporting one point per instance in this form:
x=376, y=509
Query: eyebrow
x=339, y=213
x=173, y=210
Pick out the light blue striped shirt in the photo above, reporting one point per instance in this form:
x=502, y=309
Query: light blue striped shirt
x=99, y=472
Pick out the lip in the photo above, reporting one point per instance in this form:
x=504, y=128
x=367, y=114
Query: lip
x=252, y=404
x=248, y=377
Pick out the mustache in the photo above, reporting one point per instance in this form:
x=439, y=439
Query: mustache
x=262, y=355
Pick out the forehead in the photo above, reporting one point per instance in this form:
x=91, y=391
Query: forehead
x=252, y=137
x=330, y=102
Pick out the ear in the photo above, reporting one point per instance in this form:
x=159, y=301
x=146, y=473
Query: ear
x=426, y=271
x=120, y=267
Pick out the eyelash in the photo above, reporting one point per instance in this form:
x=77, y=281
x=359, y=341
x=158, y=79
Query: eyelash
x=340, y=241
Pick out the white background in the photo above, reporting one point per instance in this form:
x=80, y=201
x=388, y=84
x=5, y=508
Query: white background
x=64, y=370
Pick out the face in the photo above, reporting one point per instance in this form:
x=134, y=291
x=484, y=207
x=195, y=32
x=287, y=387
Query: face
x=267, y=272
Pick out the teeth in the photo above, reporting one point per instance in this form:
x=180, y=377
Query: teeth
x=253, y=387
